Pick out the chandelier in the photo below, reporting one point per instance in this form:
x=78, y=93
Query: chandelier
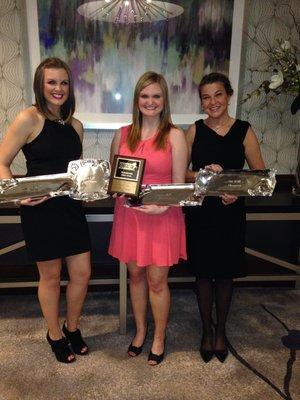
x=129, y=11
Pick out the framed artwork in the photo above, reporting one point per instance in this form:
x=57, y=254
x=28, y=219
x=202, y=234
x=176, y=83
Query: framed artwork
x=107, y=58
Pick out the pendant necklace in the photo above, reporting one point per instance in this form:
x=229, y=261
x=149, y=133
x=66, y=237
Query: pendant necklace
x=60, y=121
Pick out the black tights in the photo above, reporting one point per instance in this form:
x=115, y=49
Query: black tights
x=205, y=296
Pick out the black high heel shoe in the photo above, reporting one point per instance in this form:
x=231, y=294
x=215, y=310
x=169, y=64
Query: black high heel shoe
x=76, y=341
x=221, y=354
x=206, y=354
x=157, y=358
x=136, y=350
x=61, y=350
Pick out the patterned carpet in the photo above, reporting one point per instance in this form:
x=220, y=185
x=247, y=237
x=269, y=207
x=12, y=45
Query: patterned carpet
x=259, y=367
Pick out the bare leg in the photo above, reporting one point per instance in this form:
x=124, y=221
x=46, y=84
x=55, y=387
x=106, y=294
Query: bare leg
x=79, y=268
x=49, y=293
x=139, y=300
x=159, y=296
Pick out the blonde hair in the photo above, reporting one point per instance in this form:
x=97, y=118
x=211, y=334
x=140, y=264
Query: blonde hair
x=68, y=108
x=165, y=117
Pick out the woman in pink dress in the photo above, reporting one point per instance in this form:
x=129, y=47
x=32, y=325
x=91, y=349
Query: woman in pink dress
x=151, y=238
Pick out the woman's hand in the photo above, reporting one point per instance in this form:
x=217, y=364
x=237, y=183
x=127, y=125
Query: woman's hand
x=151, y=209
x=214, y=168
x=228, y=199
x=33, y=202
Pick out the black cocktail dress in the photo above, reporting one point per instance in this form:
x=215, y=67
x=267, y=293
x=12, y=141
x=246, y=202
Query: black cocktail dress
x=56, y=228
x=215, y=232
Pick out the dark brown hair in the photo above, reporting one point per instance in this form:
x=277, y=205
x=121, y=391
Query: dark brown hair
x=68, y=108
x=214, y=77
x=165, y=117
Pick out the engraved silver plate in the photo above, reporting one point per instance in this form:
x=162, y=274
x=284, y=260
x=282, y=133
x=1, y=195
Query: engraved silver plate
x=168, y=194
x=34, y=187
x=235, y=182
x=85, y=180
x=90, y=179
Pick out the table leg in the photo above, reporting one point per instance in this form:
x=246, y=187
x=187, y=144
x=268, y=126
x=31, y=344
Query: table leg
x=123, y=298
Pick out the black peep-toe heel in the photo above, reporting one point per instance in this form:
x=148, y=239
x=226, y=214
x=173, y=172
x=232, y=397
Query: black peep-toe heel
x=136, y=350
x=76, y=341
x=157, y=358
x=61, y=350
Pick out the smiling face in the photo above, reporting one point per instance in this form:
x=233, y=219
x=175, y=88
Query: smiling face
x=151, y=100
x=56, y=88
x=214, y=99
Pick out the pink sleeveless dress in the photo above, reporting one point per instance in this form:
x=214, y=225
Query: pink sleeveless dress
x=148, y=239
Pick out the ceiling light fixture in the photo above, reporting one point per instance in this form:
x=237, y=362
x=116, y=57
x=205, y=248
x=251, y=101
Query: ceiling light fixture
x=129, y=11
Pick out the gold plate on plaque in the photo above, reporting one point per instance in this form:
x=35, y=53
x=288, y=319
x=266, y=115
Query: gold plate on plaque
x=126, y=176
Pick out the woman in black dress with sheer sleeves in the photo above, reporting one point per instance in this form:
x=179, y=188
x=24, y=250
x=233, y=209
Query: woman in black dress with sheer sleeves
x=216, y=230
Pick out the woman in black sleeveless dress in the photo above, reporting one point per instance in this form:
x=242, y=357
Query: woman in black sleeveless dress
x=216, y=230
x=54, y=228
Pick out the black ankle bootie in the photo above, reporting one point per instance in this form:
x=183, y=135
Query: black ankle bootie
x=61, y=349
x=76, y=341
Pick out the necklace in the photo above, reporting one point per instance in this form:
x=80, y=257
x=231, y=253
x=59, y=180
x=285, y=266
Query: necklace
x=220, y=126
x=59, y=121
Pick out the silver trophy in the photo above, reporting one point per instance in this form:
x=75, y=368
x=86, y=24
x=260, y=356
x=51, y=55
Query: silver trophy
x=208, y=183
x=180, y=194
x=90, y=179
x=235, y=182
x=85, y=180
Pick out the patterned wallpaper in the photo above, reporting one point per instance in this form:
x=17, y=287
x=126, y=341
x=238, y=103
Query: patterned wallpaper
x=276, y=128
x=12, y=90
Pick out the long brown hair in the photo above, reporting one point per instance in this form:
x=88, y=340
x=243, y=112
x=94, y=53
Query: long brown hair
x=165, y=117
x=68, y=108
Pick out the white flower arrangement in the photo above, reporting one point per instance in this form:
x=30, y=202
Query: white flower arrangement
x=283, y=62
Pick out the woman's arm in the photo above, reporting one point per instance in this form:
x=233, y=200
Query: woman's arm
x=15, y=138
x=18, y=134
x=253, y=157
x=190, y=136
x=252, y=151
x=77, y=125
x=179, y=155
